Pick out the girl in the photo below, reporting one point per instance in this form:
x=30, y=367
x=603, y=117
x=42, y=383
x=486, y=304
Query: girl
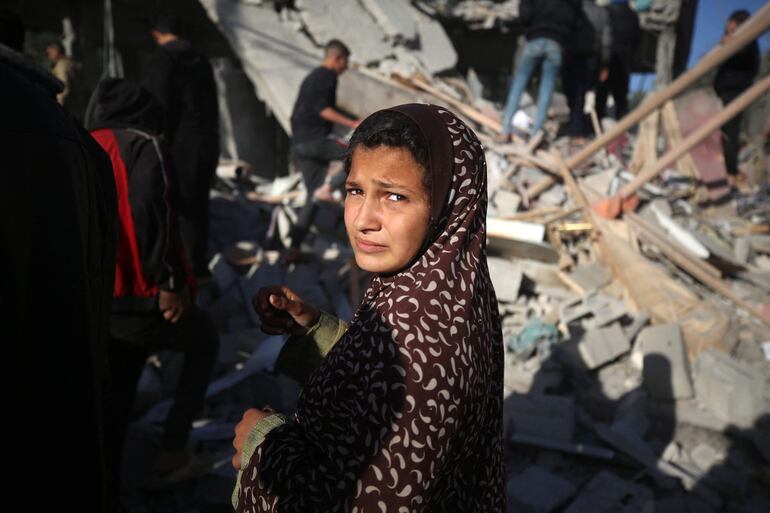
x=404, y=410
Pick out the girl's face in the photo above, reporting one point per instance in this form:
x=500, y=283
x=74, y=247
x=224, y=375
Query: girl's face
x=387, y=208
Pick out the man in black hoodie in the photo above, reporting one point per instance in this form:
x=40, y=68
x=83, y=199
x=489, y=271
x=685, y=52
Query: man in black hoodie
x=183, y=82
x=547, y=25
x=151, y=303
x=733, y=77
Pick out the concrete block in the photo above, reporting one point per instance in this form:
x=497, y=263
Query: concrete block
x=435, y=50
x=547, y=416
x=601, y=345
x=730, y=388
x=506, y=277
x=608, y=493
x=591, y=276
x=601, y=309
x=665, y=366
x=537, y=491
x=506, y=202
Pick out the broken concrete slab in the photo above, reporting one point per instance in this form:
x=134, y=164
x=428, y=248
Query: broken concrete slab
x=730, y=388
x=275, y=56
x=664, y=362
x=395, y=17
x=535, y=490
x=602, y=345
x=588, y=277
x=548, y=416
x=506, y=277
x=348, y=22
x=435, y=49
x=608, y=493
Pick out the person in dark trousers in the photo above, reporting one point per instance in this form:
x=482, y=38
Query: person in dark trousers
x=625, y=37
x=57, y=252
x=586, y=63
x=151, y=304
x=312, y=120
x=183, y=82
x=547, y=26
x=733, y=77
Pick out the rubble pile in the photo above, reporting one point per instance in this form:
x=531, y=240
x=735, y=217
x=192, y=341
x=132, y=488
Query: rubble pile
x=637, y=373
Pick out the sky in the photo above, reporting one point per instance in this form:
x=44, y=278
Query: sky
x=710, y=21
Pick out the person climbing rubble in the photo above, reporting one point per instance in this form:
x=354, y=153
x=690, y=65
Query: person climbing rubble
x=312, y=120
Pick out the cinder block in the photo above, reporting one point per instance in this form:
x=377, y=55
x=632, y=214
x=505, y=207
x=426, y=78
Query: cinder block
x=537, y=491
x=665, y=366
x=547, y=416
x=607, y=493
x=601, y=345
x=730, y=388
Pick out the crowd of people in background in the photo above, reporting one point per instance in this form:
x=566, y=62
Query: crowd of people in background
x=124, y=216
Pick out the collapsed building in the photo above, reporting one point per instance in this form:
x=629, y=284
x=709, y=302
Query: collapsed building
x=637, y=349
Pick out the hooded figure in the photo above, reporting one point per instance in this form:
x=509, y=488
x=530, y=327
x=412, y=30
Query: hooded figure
x=151, y=304
x=404, y=413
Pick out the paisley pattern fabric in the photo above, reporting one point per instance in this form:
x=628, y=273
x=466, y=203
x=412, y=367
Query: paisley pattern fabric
x=405, y=413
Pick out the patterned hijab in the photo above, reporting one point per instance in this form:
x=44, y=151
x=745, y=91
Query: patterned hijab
x=405, y=413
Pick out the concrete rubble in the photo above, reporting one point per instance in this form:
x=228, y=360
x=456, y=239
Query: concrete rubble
x=637, y=374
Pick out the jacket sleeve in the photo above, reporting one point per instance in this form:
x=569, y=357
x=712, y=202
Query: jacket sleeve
x=151, y=195
x=385, y=436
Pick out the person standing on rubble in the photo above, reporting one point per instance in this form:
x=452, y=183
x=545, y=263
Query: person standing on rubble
x=547, y=26
x=152, y=308
x=404, y=410
x=312, y=121
x=587, y=58
x=57, y=252
x=625, y=38
x=733, y=77
x=183, y=82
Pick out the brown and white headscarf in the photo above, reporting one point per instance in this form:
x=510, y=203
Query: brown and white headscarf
x=405, y=413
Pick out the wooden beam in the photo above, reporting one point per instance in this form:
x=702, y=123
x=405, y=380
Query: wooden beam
x=735, y=107
x=750, y=30
x=686, y=164
x=653, y=235
x=464, y=109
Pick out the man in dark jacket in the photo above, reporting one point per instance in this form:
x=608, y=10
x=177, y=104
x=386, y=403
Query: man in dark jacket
x=625, y=37
x=586, y=62
x=733, y=77
x=312, y=119
x=547, y=25
x=57, y=252
x=183, y=82
x=151, y=305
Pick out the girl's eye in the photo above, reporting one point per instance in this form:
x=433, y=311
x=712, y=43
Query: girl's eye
x=396, y=197
x=352, y=191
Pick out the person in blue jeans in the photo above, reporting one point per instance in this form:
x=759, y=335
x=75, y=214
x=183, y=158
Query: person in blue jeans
x=547, y=24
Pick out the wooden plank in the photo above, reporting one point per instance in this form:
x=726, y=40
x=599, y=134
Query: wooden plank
x=673, y=154
x=653, y=235
x=686, y=165
x=464, y=109
x=750, y=30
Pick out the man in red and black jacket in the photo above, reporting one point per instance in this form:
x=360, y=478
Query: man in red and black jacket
x=152, y=307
